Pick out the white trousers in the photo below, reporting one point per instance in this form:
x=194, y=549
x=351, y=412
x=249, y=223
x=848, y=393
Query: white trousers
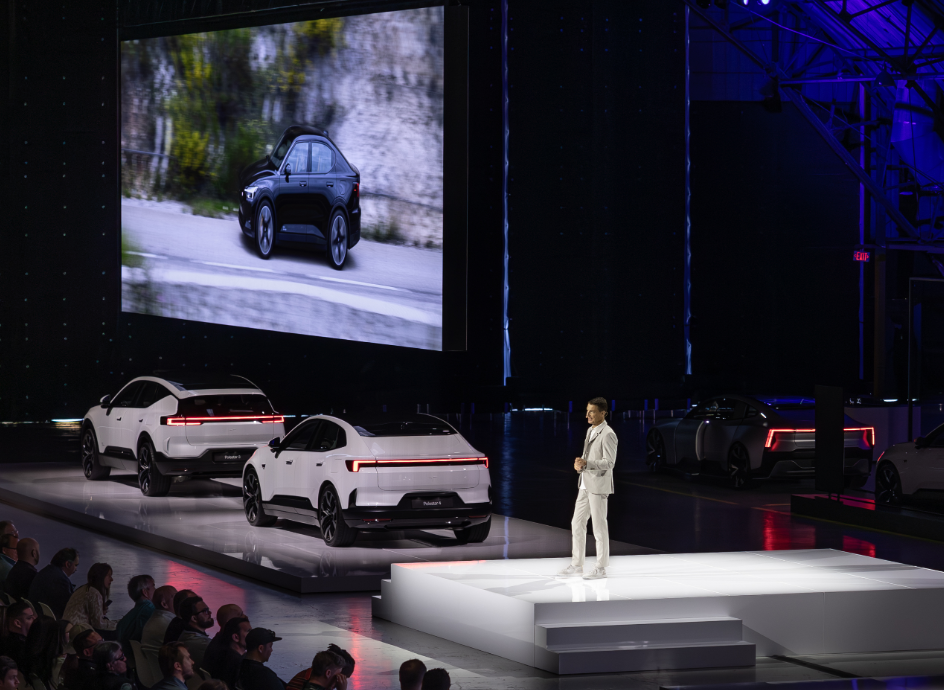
x=591, y=506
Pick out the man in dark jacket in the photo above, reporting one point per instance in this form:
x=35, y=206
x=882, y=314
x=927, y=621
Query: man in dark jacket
x=253, y=673
x=112, y=667
x=78, y=670
x=21, y=575
x=225, y=652
x=52, y=585
x=20, y=617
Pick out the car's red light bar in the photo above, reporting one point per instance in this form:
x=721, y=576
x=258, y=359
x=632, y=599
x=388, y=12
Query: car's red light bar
x=197, y=421
x=868, y=431
x=356, y=465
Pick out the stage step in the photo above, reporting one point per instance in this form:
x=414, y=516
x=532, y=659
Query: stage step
x=567, y=636
x=622, y=646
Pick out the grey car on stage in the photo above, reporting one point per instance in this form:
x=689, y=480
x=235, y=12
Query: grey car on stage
x=747, y=438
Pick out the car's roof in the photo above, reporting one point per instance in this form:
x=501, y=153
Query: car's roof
x=200, y=381
x=296, y=131
x=390, y=424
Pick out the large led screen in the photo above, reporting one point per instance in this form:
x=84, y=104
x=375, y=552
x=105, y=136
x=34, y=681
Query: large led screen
x=288, y=177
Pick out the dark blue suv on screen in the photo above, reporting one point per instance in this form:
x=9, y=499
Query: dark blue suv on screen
x=304, y=192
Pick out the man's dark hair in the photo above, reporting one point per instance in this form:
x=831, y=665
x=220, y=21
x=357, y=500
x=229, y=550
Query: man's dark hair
x=437, y=679
x=17, y=609
x=4, y=524
x=600, y=404
x=323, y=661
x=169, y=655
x=412, y=672
x=232, y=628
x=349, y=663
x=6, y=665
x=187, y=607
x=179, y=598
x=81, y=641
x=63, y=556
x=104, y=654
x=6, y=541
x=137, y=585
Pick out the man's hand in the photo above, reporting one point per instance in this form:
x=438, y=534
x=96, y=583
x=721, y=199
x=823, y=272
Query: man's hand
x=340, y=682
x=579, y=464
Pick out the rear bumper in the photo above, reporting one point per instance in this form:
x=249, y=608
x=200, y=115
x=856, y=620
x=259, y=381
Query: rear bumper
x=210, y=463
x=405, y=516
x=857, y=462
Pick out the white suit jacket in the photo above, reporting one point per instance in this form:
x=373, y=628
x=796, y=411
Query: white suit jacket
x=601, y=457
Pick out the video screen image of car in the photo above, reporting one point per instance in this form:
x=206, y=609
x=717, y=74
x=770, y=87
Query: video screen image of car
x=288, y=177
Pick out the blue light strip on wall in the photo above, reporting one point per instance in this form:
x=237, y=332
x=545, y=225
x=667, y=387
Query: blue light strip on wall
x=687, y=278
x=504, y=52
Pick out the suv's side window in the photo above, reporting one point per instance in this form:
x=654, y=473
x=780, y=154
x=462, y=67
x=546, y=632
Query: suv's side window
x=936, y=438
x=301, y=436
x=151, y=394
x=728, y=410
x=698, y=412
x=332, y=437
x=298, y=158
x=322, y=158
x=127, y=395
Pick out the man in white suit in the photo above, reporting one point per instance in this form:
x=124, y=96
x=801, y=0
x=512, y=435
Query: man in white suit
x=595, y=467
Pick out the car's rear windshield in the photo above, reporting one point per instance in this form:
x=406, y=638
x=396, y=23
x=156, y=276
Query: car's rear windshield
x=234, y=405
x=394, y=428
x=789, y=403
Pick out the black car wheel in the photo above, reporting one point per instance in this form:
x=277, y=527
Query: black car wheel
x=475, y=534
x=739, y=466
x=337, y=240
x=265, y=230
x=150, y=479
x=252, y=501
x=91, y=463
x=888, y=485
x=655, y=450
x=333, y=528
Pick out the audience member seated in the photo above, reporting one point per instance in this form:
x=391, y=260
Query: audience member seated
x=176, y=626
x=112, y=667
x=21, y=575
x=228, y=611
x=197, y=618
x=89, y=604
x=43, y=652
x=225, y=651
x=78, y=670
x=52, y=585
x=152, y=636
x=176, y=667
x=8, y=544
x=325, y=672
x=9, y=674
x=436, y=679
x=299, y=682
x=411, y=674
x=19, y=619
x=131, y=626
x=253, y=673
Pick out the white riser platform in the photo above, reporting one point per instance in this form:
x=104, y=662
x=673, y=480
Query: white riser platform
x=665, y=657
x=571, y=636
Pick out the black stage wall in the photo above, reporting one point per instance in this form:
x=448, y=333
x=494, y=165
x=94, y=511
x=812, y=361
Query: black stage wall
x=597, y=198
x=774, y=226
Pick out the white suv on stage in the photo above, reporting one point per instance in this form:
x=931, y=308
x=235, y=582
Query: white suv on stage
x=171, y=425
x=912, y=467
x=393, y=473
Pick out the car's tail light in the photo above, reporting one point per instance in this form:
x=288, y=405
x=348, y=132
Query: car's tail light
x=868, y=433
x=357, y=190
x=356, y=465
x=197, y=421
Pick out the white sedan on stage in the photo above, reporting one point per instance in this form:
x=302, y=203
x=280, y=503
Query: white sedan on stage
x=386, y=473
x=911, y=467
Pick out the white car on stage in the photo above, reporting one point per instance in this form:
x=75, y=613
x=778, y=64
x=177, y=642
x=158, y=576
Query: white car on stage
x=911, y=467
x=177, y=425
x=386, y=473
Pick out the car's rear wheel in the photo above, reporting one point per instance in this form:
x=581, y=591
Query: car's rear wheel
x=739, y=466
x=655, y=450
x=91, y=462
x=475, y=534
x=265, y=230
x=252, y=501
x=333, y=528
x=888, y=485
x=337, y=240
x=150, y=479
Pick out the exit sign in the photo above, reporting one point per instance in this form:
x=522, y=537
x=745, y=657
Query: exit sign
x=861, y=256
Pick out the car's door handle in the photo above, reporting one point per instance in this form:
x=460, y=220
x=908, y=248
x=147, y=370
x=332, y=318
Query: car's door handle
x=289, y=462
x=118, y=419
x=318, y=464
x=302, y=184
x=141, y=420
x=331, y=184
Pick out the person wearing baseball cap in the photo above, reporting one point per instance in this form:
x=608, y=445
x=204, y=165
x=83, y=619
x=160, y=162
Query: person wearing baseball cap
x=253, y=673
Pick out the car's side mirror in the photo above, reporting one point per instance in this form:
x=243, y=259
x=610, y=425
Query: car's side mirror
x=274, y=443
x=921, y=442
x=105, y=400
x=288, y=170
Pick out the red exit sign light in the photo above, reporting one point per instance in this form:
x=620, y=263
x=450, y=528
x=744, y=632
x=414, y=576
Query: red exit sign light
x=861, y=256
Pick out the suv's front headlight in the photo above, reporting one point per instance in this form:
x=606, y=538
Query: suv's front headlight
x=249, y=193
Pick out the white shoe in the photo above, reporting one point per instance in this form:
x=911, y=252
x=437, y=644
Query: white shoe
x=597, y=573
x=571, y=571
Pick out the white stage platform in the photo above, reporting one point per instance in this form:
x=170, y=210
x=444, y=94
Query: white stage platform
x=667, y=611
x=203, y=521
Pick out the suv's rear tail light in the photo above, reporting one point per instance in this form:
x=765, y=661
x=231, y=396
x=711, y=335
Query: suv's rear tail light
x=357, y=190
x=197, y=421
x=868, y=433
x=356, y=465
